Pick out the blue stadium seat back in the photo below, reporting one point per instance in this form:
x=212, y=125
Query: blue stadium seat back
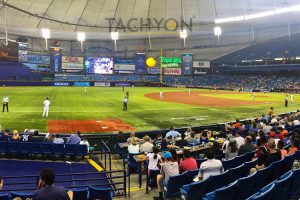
x=297, y=155
x=276, y=170
x=262, y=177
x=102, y=193
x=22, y=195
x=246, y=186
x=172, y=189
x=218, y=181
x=132, y=164
x=228, y=192
x=121, y=152
x=152, y=177
x=59, y=149
x=70, y=149
x=241, y=159
x=287, y=147
x=250, y=164
x=249, y=156
x=288, y=162
x=13, y=147
x=236, y=173
x=47, y=148
x=24, y=148
x=80, y=193
x=227, y=164
x=36, y=147
x=190, y=175
x=281, y=189
x=294, y=188
x=199, y=161
x=81, y=150
x=285, y=175
x=264, y=194
x=4, y=197
x=4, y=147
x=197, y=190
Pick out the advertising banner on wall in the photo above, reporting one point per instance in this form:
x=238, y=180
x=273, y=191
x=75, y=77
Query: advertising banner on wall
x=9, y=52
x=124, y=66
x=72, y=64
x=38, y=59
x=201, y=64
x=172, y=71
x=101, y=84
x=198, y=71
x=56, y=59
x=153, y=70
x=140, y=63
x=187, y=64
x=170, y=62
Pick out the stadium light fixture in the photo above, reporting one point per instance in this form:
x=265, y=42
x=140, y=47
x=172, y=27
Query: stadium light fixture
x=295, y=8
x=81, y=39
x=46, y=35
x=218, y=32
x=183, y=35
x=115, y=37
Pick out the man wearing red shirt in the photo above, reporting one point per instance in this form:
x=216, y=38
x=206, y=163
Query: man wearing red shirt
x=188, y=163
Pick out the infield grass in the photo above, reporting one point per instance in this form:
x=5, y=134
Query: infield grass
x=143, y=113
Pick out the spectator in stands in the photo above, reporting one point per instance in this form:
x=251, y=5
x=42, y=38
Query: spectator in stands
x=74, y=138
x=232, y=150
x=146, y=146
x=132, y=135
x=272, y=156
x=210, y=136
x=154, y=158
x=181, y=142
x=173, y=133
x=273, y=120
x=174, y=155
x=203, y=137
x=217, y=149
x=247, y=147
x=253, y=128
x=35, y=137
x=46, y=189
x=15, y=136
x=85, y=142
x=226, y=142
x=188, y=163
x=1, y=183
x=253, y=138
x=168, y=168
x=286, y=138
x=271, y=112
x=120, y=138
x=160, y=143
x=188, y=133
x=49, y=138
x=192, y=140
x=296, y=121
x=25, y=136
x=5, y=136
x=171, y=143
x=267, y=128
x=58, y=140
x=210, y=167
x=280, y=146
x=237, y=124
x=295, y=146
x=239, y=140
x=134, y=148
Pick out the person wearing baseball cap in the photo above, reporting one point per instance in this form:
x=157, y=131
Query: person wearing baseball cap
x=168, y=168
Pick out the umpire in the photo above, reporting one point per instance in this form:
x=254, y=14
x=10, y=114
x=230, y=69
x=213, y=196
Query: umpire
x=125, y=101
x=5, y=103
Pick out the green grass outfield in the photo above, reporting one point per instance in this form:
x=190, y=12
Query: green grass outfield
x=143, y=113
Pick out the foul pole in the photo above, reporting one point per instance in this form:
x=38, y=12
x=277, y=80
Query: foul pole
x=161, y=70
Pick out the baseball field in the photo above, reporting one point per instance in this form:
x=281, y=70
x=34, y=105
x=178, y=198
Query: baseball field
x=99, y=109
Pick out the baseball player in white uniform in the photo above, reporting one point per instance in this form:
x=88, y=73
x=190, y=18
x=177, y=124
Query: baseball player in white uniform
x=292, y=98
x=46, y=107
x=161, y=95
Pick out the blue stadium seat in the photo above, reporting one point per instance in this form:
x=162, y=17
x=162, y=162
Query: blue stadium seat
x=99, y=193
x=3, y=147
x=199, y=161
x=172, y=189
x=152, y=177
x=224, y=193
x=36, y=147
x=264, y=194
x=218, y=181
x=81, y=150
x=132, y=164
x=250, y=164
x=297, y=155
x=246, y=186
x=190, y=175
x=4, y=197
x=276, y=170
x=236, y=173
x=227, y=164
x=80, y=193
x=262, y=177
x=195, y=191
x=281, y=189
x=22, y=195
x=47, y=149
x=24, y=148
x=294, y=188
x=59, y=149
x=70, y=149
x=288, y=163
x=13, y=147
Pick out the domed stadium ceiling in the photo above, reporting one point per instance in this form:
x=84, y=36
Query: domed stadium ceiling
x=244, y=21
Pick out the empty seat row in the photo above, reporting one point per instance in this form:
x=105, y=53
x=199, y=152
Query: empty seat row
x=46, y=149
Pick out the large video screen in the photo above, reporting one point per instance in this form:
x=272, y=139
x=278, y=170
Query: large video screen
x=96, y=65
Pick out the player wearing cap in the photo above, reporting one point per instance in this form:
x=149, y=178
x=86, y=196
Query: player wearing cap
x=46, y=107
x=5, y=103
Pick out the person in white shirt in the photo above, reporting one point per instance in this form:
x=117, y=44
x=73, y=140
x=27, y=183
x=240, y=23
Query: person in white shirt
x=58, y=140
x=85, y=142
x=210, y=167
x=161, y=95
x=273, y=120
x=239, y=140
x=5, y=103
x=46, y=107
x=292, y=98
x=133, y=148
x=153, y=158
